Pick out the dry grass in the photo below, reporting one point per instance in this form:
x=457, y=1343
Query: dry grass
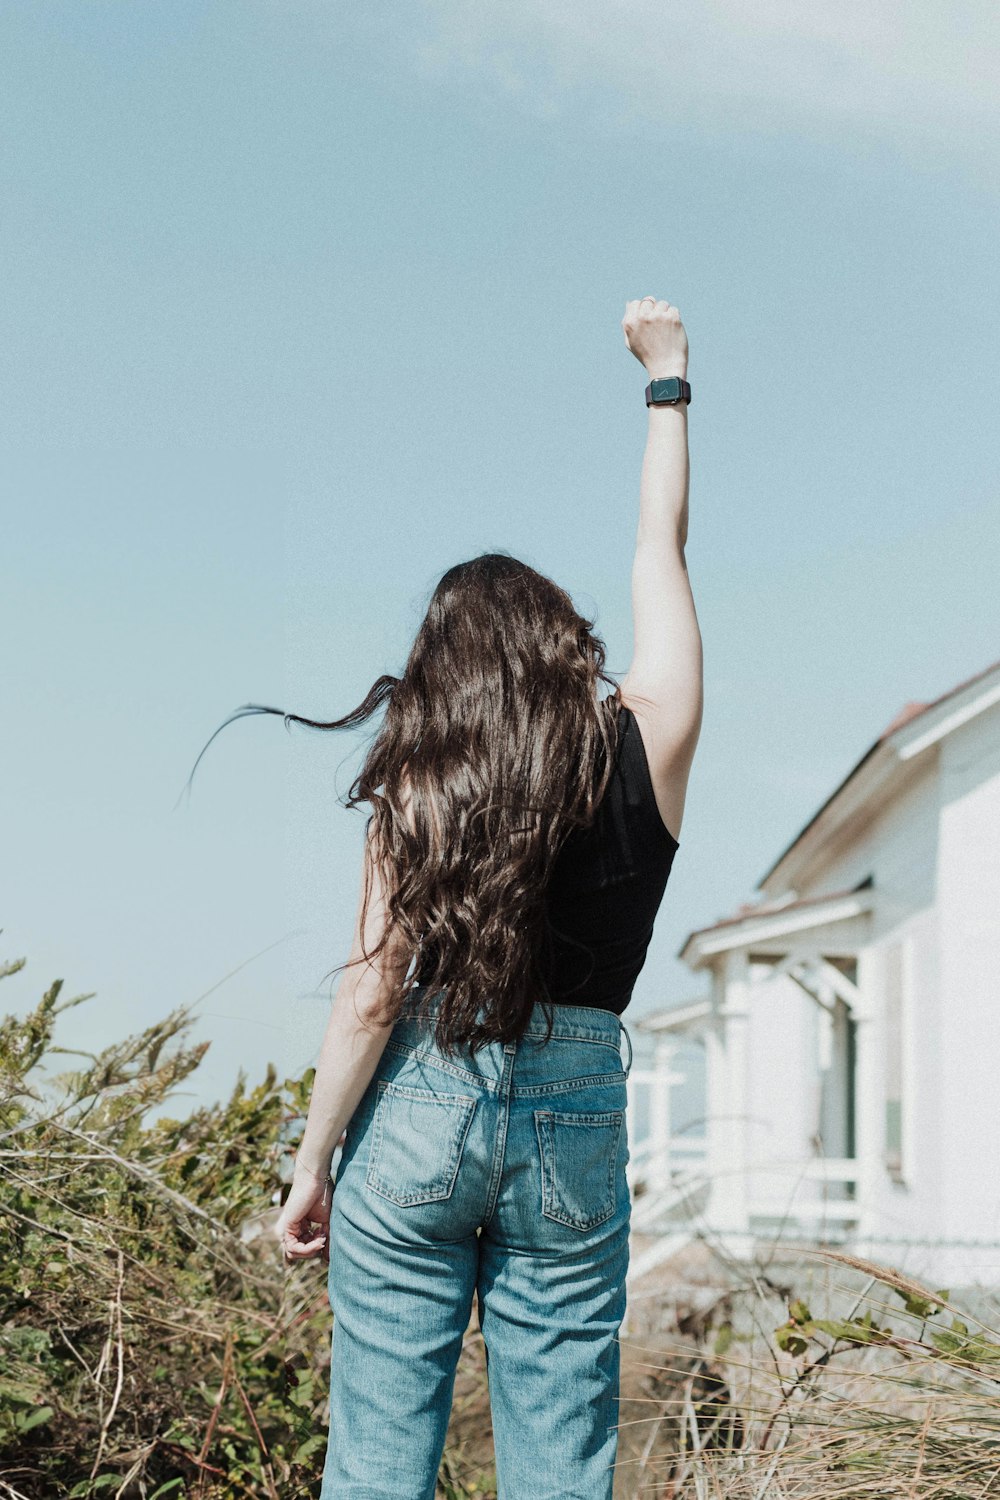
x=835, y=1378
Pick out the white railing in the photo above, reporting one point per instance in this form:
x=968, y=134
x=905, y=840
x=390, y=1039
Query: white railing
x=674, y=1198
x=664, y=1160
x=665, y=1171
x=811, y=1197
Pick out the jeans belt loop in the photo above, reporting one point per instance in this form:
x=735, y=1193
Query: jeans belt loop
x=628, y=1066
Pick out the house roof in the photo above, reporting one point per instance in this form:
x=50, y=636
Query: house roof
x=749, y=909
x=905, y=718
x=769, y=918
x=677, y=1018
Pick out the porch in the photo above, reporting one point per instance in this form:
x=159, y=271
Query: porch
x=776, y=1156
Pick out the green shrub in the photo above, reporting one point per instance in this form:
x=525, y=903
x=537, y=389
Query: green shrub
x=153, y=1343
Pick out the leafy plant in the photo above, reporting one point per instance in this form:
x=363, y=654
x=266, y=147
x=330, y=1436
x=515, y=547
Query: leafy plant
x=153, y=1344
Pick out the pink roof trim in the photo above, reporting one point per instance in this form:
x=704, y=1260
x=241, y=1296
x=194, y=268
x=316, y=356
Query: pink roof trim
x=771, y=909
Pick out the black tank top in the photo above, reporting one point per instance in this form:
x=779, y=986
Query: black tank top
x=606, y=887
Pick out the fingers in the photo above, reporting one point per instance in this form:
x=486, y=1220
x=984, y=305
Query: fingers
x=647, y=307
x=655, y=335
x=296, y=1247
x=305, y=1250
x=303, y=1237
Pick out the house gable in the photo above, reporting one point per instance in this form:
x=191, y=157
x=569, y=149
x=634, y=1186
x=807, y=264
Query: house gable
x=881, y=773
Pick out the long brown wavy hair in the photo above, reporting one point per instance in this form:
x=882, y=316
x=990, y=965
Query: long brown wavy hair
x=494, y=747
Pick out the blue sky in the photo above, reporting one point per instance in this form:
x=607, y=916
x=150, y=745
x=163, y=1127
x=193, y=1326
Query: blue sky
x=302, y=306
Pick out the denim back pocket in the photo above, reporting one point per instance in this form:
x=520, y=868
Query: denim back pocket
x=417, y=1141
x=579, y=1161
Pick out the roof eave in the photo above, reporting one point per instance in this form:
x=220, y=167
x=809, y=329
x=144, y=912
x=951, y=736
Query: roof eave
x=679, y=1018
x=709, y=943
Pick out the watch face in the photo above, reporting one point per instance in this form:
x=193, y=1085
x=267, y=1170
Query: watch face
x=666, y=390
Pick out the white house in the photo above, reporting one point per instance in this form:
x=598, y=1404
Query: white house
x=852, y=1023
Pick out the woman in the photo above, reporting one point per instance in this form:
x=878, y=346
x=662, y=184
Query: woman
x=519, y=845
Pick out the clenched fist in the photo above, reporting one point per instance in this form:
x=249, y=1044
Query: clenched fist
x=655, y=334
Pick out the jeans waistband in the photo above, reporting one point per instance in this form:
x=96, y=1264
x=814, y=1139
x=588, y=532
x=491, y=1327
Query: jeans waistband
x=568, y=1021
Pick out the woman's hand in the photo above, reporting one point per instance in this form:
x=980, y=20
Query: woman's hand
x=655, y=334
x=303, y=1227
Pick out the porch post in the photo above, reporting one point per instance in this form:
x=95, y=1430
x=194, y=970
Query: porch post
x=869, y=1140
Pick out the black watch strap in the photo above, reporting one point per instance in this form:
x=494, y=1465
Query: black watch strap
x=669, y=392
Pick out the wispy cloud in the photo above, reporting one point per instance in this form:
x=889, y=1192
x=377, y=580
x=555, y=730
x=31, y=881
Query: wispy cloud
x=918, y=71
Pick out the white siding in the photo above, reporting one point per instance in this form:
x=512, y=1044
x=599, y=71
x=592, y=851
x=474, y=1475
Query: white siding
x=911, y=1207
x=969, y=935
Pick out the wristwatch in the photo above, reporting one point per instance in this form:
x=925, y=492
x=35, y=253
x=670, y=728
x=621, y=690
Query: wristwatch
x=669, y=392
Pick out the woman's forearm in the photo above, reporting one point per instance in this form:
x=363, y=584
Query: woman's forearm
x=352, y=1046
x=655, y=334
x=355, y=1039
x=663, y=495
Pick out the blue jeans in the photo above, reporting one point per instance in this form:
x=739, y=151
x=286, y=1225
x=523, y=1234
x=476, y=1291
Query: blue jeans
x=499, y=1173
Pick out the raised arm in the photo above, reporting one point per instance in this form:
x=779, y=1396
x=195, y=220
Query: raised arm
x=663, y=685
